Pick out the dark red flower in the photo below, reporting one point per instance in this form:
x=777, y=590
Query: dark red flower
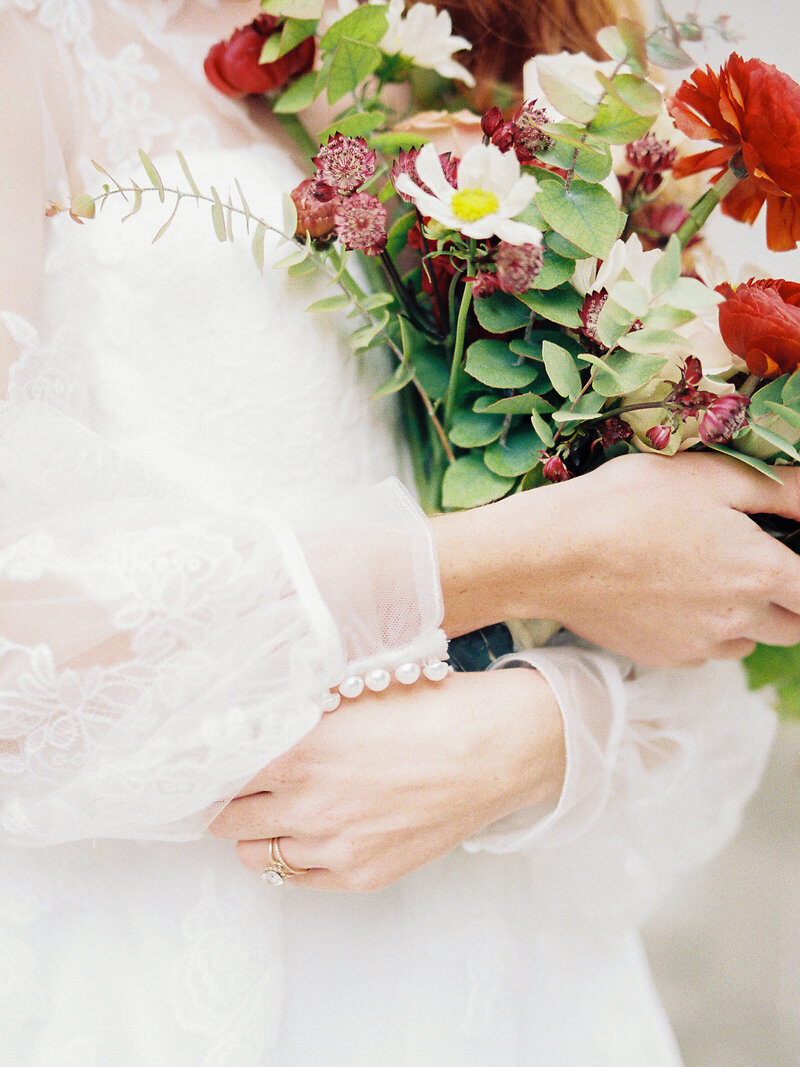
x=659, y=436
x=232, y=66
x=723, y=419
x=750, y=108
x=760, y=323
x=555, y=470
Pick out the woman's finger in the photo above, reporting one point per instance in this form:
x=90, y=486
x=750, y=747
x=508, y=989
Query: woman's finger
x=302, y=856
x=780, y=627
x=253, y=818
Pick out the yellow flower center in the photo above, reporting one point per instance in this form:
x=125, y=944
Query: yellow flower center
x=472, y=204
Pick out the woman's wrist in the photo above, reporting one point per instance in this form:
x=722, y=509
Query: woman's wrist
x=499, y=562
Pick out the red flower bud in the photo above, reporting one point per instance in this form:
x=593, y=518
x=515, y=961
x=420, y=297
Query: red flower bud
x=316, y=205
x=491, y=121
x=484, y=285
x=555, y=471
x=659, y=437
x=725, y=416
x=651, y=182
x=232, y=66
x=692, y=370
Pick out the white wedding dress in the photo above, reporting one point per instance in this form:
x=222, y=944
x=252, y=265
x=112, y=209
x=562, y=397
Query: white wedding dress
x=190, y=555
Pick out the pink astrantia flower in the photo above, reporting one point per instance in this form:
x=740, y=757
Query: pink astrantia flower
x=529, y=138
x=406, y=163
x=650, y=154
x=345, y=163
x=659, y=437
x=361, y=224
x=725, y=416
x=518, y=266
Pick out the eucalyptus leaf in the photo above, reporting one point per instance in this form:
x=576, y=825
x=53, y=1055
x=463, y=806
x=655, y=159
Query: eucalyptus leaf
x=561, y=305
x=431, y=372
x=691, y=294
x=616, y=123
x=494, y=364
x=187, y=173
x=473, y=430
x=584, y=214
x=468, y=483
x=299, y=255
x=647, y=340
x=257, y=246
x=589, y=157
x=516, y=455
x=363, y=337
x=663, y=52
x=542, y=429
x=562, y=370
x=501, y=313
x=562, y=247
x=630, y=298
x=624, y=372
x=635, y=92
x=289, y=215
x=152, y=174
x=330, y=303
x=218, y=216
x=668, y=268
x=402, y=375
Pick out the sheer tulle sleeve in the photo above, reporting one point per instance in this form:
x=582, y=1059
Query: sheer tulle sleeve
x=155, y=652
x=659, y=766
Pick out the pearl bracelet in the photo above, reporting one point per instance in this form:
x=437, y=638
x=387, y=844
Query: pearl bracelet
x=378, y=679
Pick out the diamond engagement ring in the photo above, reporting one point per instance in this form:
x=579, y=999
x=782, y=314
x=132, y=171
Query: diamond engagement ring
x=278, y=870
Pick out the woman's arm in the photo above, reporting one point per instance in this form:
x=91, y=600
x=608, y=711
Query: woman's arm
x=654, y=558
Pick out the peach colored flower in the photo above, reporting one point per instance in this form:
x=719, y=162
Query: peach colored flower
x=449, y=131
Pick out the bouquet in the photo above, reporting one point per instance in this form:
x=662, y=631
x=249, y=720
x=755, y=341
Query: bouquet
x=538, y=270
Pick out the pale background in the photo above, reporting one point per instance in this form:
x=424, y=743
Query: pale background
x=725, y=947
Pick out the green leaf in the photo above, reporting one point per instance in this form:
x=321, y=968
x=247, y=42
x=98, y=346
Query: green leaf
x=617, y=124
x=398, y=234
x=301, y=269
x=300, y=255
x=257, y=246
x=635, y=40
x=584, y=214
x=562, y=247
x=780, y=444
x=391, y=143
x=631, y=299
x=690, y=294
x=790, y=415
x=588, y=405
x=152, y=174
x=330, y=303
x=516, y=455
x=532, y=348
x=289, y=215
x=555, y=271
x=521, y=404
x=562, y=370
x=560, y=305
x=668, y=269
x=360, y=125
x=298, y=96
x=645, y=341
x=501, y=313
x=431, y=372
x=790, y=393
x=137, y=201
x=366, y=335
x=468, y=483
x=295, y=9
x=634, y=92
x=402, y=375
x=218, y=216
x=353, y=61
x=623, y=372
x=471, y=430
x=592, y=159
x=367, y=24
x=771, y=391
x=187, y=173
x=494, y=364
x=663, y=51
x=667, y=318
x=750, y=461
x=377, y=300
x=294, y=31
x=542, y=429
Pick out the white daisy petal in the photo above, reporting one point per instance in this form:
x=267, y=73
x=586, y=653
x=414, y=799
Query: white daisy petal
x=520, y=195
x=430, y=173
x=517, y=233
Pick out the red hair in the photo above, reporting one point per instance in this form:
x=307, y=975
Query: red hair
x=504, y=33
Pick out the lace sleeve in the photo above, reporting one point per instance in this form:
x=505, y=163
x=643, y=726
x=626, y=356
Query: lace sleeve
x=154, y=654
x=659, y=767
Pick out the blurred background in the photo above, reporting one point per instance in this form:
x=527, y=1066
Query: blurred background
x=725, y=947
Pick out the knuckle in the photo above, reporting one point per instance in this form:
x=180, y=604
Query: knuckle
x=367, y=880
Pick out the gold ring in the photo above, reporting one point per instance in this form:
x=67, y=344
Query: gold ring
x=278, y=870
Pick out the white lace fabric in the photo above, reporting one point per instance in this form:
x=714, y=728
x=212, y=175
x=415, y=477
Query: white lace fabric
x=164, y=634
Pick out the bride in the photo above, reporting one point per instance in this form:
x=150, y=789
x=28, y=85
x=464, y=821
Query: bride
x=201, y=539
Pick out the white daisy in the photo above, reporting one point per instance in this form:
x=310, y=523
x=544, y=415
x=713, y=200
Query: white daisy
x=628, y=256
x=422, y=35
x=425, y=36
x=491, y=191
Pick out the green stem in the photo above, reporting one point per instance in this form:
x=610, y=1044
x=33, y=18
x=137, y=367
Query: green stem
x=458, y=355
x=700, y=212
x=299, y=134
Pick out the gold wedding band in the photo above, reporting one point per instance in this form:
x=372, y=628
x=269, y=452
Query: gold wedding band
x=278, y=870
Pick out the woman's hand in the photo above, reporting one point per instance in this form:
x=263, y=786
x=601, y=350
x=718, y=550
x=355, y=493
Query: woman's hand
x=648, y=556
x=393, y=780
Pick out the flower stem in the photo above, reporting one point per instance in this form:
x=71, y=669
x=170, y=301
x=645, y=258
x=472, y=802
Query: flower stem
x=700, y=211
x=458, y=355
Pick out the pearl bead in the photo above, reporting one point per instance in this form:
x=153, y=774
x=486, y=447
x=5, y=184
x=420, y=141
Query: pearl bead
x=407, y=673
x=331, y=701
x=377, y=680
x=436, y=670
x=352, y=687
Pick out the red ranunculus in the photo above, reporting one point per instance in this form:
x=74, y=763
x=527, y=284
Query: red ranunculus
x=760, y=323
x=753, y=108
x=232, y=66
